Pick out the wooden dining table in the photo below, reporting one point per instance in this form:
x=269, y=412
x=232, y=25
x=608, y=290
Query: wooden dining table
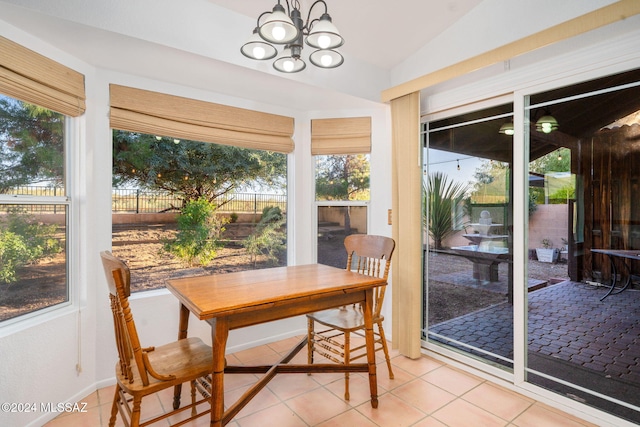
x=237, y=300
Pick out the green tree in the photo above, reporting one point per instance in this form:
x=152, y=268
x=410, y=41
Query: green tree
x=556, y=161
x=492, y=179
x=269, y=238
x=191, y=169
x=23, y=241
x=31, y=144
x=443, y=199
x=199, y=235
x=344, y=178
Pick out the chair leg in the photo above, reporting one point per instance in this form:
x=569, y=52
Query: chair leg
x=347, y=361
x=135, y=412
x=193, y=398
x=114, y=407
x=310, y=345
x=177, y=391
x=385, y=349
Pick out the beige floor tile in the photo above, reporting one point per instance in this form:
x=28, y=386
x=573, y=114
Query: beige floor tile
x=452, y=380
x=279, y=415
x=317, y=406
x=234, y=381
x=256, y=354
x=291, y=385
x=284, y=346
x=264, y=399
x=359, y=392
x=417, y=367
x=423, y=395
x=105, y=394
x=91, y=418
x=497, y=400
x=105, y=414
x=429, y=422
x=400, y=377
x=391, y=411
x=539, y=415
x=351, y=418
x=460, y=413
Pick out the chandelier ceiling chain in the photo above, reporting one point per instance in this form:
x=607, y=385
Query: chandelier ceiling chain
x=287, y=28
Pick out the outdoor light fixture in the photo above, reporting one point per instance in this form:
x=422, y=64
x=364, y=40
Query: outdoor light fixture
x=287, y=28
x=547, y=123
x=507, y=129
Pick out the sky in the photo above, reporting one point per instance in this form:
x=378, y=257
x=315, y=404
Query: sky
x=447, y=163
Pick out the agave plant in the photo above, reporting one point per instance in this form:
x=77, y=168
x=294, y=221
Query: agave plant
x=442, y=201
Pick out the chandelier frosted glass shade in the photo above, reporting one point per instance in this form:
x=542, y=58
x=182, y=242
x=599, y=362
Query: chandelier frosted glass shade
x=257, y=48
x=324, y=35
x=326, y=58
x=288, y=63
x=278, y=27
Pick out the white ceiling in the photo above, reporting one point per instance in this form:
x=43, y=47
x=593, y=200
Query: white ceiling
x=382, y=33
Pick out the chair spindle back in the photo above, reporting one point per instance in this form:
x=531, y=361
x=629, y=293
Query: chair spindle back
x=370, y=255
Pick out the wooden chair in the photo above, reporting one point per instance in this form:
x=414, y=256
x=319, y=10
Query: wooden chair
x=140, y=371
x=366, y=254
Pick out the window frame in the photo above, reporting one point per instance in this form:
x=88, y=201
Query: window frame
x=71, y=166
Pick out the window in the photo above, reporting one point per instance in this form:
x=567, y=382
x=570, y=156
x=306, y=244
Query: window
x=202, y=159
x=189, y=207
x=342, y=196
x=34, y=208
x=341, y=147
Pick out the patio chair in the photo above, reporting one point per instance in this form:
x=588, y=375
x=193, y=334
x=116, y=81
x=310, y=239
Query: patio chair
x=366, y=254
x=141, y=372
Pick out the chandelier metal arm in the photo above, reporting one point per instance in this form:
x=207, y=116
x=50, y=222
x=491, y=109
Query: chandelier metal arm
x=309, y=23
x=266, y=12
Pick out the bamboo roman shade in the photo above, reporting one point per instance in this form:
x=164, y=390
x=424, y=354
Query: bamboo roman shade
x=138, y=110
x=33, y=78
x=341, y=136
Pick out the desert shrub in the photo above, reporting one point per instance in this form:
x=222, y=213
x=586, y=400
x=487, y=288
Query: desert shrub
x=268, y=239
x=199, y=236
x=24, y=241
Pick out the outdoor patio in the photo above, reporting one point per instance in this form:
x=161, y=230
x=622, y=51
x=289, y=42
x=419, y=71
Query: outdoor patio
x=572, y=335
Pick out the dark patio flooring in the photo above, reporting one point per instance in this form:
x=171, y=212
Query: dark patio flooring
x=572, y=335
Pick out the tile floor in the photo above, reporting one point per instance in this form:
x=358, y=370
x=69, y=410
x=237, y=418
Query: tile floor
x=424, y=393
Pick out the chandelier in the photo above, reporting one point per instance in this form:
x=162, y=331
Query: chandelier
x=287, y=28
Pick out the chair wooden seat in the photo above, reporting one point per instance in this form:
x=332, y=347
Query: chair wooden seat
x=366, y=254
x=169, y=360
x=141, y=372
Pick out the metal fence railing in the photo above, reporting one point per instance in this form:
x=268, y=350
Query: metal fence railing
x=131, y=200
x=144, y=201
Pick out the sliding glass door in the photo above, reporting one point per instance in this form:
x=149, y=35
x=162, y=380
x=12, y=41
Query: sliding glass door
x=468, y=225
x=584, y=149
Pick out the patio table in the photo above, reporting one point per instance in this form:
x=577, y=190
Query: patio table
x=622, y=254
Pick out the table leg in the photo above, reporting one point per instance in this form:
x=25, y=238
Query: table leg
x=371, y=353
x=614, y=277
x=183, y=327
x=219, y=335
